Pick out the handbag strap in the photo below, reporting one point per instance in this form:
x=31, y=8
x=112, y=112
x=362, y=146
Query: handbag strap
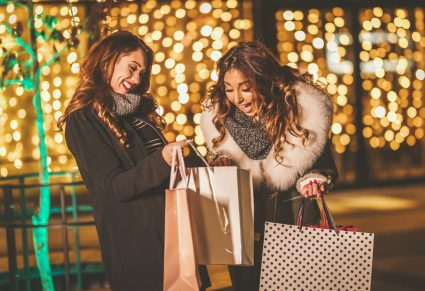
x=328, y=221
x=326, y=214
x=300, y=213
x=177, y=166
x=224, y=220
x=204, y=161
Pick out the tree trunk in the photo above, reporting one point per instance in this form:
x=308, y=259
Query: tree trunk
x=40, y=234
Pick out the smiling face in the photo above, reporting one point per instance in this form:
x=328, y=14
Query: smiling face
x=239, y=91
x=127, y=72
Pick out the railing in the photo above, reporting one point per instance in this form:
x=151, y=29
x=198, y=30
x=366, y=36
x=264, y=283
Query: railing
x=17, y=217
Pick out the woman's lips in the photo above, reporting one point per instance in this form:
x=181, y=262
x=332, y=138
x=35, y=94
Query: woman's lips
x=127, y=86
x=246, y=108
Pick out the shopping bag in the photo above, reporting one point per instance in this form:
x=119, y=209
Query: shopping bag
x=327, y=221
x=180, y=263
x=223, y=211
x=306, y=258
x=326, y=218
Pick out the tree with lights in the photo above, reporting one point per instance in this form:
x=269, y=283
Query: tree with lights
x=21, y=67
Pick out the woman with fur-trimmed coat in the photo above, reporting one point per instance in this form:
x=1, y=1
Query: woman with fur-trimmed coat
x=275, y=122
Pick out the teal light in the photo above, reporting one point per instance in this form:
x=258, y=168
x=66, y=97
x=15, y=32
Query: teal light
x=32, y=82
x=40, y=234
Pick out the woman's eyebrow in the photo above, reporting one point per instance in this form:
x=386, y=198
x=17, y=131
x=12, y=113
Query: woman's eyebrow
x=240, y=84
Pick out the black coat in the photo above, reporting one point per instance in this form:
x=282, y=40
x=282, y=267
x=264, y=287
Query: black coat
x=285, y=205
x=127, y=189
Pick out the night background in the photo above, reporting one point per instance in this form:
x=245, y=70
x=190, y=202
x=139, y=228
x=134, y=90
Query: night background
x=368, y=55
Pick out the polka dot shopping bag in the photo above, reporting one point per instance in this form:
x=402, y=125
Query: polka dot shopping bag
x=315, y=258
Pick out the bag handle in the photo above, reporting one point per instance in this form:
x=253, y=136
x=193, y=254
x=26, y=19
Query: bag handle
x=204, y=161
x=224, y=220
x=325, y=213
x=177, y=166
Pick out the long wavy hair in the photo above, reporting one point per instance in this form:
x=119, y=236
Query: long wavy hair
x=94, y=87
x=275, y=97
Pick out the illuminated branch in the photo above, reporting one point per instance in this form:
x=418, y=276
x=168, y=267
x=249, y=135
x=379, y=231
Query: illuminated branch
x=20, y=41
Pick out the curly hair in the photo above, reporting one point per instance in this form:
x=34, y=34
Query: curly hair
x=94, y=87
x=276, y=102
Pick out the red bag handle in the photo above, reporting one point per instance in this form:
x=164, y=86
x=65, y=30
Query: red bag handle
x=327, y=219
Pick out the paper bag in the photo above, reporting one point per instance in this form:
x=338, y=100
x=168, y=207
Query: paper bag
x=180, y=263
x=223, y=212
x=305, y=258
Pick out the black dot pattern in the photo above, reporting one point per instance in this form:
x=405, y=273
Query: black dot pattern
x=315, y=259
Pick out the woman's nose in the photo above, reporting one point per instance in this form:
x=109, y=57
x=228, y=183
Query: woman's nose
x=238, y=98
x=136, y=79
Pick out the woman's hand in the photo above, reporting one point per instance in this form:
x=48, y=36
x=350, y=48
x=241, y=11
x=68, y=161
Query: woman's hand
x=314, y=188
x=221, y=161
x=167, y=151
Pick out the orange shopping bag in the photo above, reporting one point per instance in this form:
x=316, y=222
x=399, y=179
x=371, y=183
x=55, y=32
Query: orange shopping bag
x=180, y=263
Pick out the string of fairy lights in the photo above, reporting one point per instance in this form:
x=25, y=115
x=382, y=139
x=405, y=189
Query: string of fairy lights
x=19, y=142
x=320, y=43
x=188, y=37
x=392, y=69
x=393, y=66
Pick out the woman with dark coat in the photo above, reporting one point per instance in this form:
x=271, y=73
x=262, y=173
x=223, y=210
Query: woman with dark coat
x=113, y=131
x=275, y=122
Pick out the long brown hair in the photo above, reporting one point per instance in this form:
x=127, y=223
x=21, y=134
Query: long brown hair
x=276, y=102
x=95, y=74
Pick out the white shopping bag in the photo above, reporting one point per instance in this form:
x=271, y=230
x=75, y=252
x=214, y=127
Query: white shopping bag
x=307, y=258
x=223, y=214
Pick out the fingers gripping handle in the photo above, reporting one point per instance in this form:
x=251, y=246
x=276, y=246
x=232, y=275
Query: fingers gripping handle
x=326, y=214
x=177, y=166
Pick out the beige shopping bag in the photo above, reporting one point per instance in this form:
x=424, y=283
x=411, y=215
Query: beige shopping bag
x=223, y=211
x=180, y=263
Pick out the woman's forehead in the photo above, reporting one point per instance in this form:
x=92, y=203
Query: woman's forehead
x=133, y=55
x=235, y=75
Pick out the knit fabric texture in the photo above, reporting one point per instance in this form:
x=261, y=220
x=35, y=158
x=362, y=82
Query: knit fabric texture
x=125, y=104
x=250, y=136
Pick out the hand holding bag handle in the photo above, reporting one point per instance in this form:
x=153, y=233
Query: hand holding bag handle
x=328, y=221
x=177, y=166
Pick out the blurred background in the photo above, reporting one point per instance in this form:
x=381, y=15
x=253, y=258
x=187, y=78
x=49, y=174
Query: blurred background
x=369, y=55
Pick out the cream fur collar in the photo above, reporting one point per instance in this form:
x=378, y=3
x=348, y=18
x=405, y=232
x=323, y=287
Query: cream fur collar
x=317, y=114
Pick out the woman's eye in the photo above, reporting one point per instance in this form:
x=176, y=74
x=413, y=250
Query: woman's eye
x=228, y=90
x=246, y=89
x=132, y=69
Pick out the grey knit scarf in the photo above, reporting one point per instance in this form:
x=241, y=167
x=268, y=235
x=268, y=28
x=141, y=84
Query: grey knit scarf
x=250, y=136
x=125, y=104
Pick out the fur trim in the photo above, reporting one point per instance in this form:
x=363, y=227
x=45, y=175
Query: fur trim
x=304, y=180
x=317, y=114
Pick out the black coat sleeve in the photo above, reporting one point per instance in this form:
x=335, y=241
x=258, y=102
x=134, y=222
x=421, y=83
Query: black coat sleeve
x=101, y=167
x=325, y=165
